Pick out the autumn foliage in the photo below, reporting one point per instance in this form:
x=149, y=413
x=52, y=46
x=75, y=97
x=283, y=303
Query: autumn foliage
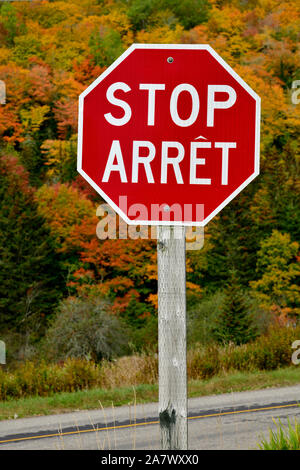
x=50, y=51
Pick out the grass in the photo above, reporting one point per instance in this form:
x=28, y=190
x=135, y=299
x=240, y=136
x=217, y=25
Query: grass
x=89, y=399
x=284, y=438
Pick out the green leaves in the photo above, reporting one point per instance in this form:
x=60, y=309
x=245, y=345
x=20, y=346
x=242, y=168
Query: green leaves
x=145, y=14
x=105, y=45
x=8, y=19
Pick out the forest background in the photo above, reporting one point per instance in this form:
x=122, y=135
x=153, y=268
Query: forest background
x=65, y=293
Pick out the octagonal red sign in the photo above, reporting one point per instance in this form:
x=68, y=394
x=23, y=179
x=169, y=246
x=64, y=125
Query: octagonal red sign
x=168, y=134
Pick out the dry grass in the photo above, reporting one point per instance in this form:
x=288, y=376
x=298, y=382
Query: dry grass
x=129, y=371
x=267, y=353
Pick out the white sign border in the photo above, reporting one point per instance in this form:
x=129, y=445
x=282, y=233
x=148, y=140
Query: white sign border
x=108, y=71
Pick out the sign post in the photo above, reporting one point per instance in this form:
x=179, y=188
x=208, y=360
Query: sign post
x=168, y=135
x=2, y=352
x=172, y=337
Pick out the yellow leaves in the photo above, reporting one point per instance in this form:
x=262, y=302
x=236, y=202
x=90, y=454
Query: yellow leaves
x=269, y=5
x=59, y=155
x=33, y=118
x=161, y=35
x=274, y=103
x=118, y=20
x=66, y=85
x=279, y=281
x=228, y=20
x=5, y=55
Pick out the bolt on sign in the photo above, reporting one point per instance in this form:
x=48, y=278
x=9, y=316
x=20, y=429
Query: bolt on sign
x=172, y=128
x=168, y=135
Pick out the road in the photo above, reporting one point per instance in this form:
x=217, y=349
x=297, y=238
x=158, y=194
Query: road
x=228, y=421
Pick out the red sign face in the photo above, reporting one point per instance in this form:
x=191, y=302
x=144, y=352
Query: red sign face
x=168, y=134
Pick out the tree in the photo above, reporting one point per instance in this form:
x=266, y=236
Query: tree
x=231, y=243
x=8, y=18
x=234, y=323
x=85, y=329
x=30, y=277
x=278, y=266
x=190, y=13
x=60, y=156
x=146, y=14
x=105, y=45
x=70, y=216
x=49, y=53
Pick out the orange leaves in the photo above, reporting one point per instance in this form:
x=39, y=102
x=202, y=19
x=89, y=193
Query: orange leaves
x=66, y=107
x=71, y=217
x=15, y=79
x=48, y=60
x=114, y=268
x=118, y=255
x=10, y=126
x=197, y=35
x=65, y=113
x=11, y=167
x=30, y=96
x=85, y=71
x=40, y=87
x=120, y=269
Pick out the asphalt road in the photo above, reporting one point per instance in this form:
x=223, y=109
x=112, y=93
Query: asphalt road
x=229, y=421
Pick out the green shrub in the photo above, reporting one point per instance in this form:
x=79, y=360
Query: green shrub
x=274, y=349
x=86, y=329
x=269, y=351
x=234, y=322
x=81, y=374
x=201, y=319
x=204, y=362
x=32, y=379
x=238, y=358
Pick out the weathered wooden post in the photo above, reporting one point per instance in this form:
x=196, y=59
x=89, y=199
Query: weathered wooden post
x=172, y=337
x=2, y=352
x=2, y=92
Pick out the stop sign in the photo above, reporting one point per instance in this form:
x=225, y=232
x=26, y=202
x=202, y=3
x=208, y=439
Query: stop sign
x=168, y=134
